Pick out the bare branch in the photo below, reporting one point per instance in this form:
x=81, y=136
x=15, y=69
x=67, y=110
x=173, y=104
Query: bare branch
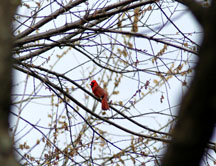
x=52, y=16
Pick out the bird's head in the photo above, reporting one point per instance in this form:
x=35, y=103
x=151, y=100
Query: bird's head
x=93, y=83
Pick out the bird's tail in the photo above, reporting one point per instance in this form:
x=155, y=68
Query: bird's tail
x=105, y=105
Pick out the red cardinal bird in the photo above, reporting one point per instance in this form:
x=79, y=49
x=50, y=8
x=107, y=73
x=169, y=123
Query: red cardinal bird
x=100, y=93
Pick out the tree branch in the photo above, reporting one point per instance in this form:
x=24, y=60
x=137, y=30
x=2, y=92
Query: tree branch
x=46, y=81
x=98, y=14
x=55, y=14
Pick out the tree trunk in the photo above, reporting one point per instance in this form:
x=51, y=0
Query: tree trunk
x=7, y=9
x=197, y=114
